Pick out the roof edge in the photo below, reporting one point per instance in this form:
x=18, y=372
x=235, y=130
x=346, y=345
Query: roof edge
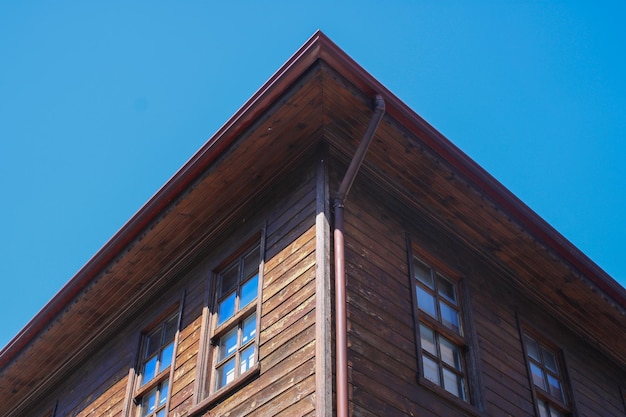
x=295, y=66
x=318, y=46
x=527, y=217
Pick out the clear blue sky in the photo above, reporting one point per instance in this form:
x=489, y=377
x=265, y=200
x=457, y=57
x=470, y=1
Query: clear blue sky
x=102, y=101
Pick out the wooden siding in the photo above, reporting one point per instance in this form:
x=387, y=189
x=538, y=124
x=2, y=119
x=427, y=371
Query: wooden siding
x=110, y=403
x=382, y=351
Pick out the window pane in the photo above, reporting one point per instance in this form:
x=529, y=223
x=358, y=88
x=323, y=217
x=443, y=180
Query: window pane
x=226, y=309
x=148, y=403
x=555, y=413
x=431, y=370
x=450, y=317
x=163, y=394
x=422, y=273
x=149, y=370
x=426, y=302
x=247, y=359
x=550, y=360
x=153, y=343
x=228, y=344
x=427, y=337
x=251, y=264
x=230, y=278
x=249, y=291
x=170, y=329
x=166, y=356
x=446, y=289
x=249, y=329
x=532, y=349
x=450, y=353
x=537, y=375
x=453, y=383
x=543, y=409
x=225, y=374
x=161, y=413
x=555, y=388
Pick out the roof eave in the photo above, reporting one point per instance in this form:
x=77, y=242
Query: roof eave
x=484, y=181
x=149, y=212
x=317, y=47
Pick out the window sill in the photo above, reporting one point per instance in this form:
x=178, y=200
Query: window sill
x=217, y=396
x=465, y=407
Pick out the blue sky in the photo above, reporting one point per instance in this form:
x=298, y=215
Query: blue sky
x=101, y=102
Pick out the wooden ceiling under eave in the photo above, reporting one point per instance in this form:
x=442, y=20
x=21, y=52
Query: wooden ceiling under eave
x=401, y=158
x=270, y=145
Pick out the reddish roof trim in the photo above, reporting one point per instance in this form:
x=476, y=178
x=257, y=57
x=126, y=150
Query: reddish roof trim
x=183, y=178
x=317, y=47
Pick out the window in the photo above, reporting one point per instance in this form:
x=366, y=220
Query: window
x=442, y=344
x=157, y=355
x=234, y=330
x=548, y=379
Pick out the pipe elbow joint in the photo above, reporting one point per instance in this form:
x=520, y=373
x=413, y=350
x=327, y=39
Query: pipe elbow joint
x=379, y=102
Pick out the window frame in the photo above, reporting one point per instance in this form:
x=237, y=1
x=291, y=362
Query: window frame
x=140, y=389
x=472, y=403
x=566, y=406
x=234, y=322
x=207, y=393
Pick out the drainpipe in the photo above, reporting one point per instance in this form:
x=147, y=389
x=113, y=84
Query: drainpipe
x=341, y=336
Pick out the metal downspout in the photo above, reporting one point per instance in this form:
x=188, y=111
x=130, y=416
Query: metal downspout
x=341, y=337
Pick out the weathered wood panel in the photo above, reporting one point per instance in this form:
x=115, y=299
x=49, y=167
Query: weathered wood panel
x=109, y=403
x=185, y=364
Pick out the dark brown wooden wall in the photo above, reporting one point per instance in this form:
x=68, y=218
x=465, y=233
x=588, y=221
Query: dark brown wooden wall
x=286, y=384
x=382, y=351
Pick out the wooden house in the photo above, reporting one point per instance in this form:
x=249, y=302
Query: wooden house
x=327, y=252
